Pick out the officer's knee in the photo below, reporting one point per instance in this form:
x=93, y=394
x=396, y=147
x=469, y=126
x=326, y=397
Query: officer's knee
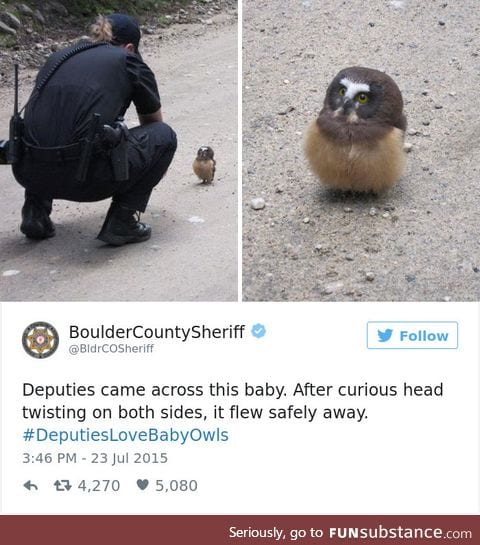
x=169, y=136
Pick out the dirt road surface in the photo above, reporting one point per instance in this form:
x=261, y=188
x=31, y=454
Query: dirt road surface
x=419, y=241
x=192, y=255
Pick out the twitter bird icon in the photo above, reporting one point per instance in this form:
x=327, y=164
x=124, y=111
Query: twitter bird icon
x=384, y=336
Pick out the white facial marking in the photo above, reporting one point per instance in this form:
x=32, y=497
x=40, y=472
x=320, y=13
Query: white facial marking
x=352, y=88
x=352, y=118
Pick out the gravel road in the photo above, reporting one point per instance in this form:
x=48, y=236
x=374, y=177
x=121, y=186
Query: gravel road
x=420, y=241
x=192, y=255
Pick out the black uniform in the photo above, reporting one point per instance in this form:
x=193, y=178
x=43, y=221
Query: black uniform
x=104, y=79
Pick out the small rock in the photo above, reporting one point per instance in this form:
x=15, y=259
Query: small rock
x=286, y=81
x=412, y=132
x=25, y=10
x=373, y=211
x=258, y=203
x=332, y=288
x=388, y=207
x=349, y=257
x=476, y=269
x=56, y=7
x=279, y=189
x=452, y=93
x=371, y=24
x=370, y=276
x=291, y=251
x=11, y=20
x=407, y=147
x=222, y=18
x=348, y=209
x=441, y=23
x=438, y=106
x=5, y=29
x=410, y=278
x=11, y=272
x=37, y=14
x=386, y=215
x=286, y=111
x=196, y=219
x=426, y=123
x=306, y=220
x=446, y=299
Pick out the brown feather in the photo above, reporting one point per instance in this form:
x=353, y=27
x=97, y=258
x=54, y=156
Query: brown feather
x=204, y=169
x=358, y=146
x=356, y=166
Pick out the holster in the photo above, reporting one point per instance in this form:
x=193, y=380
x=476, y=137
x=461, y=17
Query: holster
x=114, y=141
x=3, y=152
x=116, y=138
x=87, y=149
x=15, y=142
x=11, y=150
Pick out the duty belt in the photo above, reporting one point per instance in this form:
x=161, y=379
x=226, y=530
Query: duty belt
x=111, y=140
x=59, y=153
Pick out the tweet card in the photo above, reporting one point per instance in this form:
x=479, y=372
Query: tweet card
x=237, y=409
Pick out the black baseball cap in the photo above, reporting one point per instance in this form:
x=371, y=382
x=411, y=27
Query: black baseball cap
x=125, y=29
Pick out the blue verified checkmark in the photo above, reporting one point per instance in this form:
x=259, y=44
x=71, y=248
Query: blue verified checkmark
x=259, y=331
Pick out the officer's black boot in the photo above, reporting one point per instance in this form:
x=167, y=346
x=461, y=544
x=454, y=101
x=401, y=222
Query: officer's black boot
x=36, y=222
x=121, y=226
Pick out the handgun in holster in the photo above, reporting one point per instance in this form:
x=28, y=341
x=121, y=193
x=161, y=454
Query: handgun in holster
x=116, y=137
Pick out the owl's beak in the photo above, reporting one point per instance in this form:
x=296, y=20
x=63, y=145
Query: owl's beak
x=348, y=106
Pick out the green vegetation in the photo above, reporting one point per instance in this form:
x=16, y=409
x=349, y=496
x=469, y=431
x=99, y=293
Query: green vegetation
x=87, y=8
x=7, y=41
x=134, y=7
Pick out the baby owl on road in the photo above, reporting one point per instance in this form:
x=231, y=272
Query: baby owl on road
x=204, y=164
x=356, y=142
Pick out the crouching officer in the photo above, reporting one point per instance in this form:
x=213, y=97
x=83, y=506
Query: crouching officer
x=75, y=145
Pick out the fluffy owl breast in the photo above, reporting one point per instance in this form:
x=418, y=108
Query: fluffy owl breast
x=366, y=132
x=355, y=164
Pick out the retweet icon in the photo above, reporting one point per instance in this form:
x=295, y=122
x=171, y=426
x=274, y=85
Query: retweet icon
x=384, y=336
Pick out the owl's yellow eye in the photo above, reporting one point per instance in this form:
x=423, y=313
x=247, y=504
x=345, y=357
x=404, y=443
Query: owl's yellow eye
x=342, y=91
x=362, y=98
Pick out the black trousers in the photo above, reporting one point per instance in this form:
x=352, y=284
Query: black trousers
x=150, y=151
